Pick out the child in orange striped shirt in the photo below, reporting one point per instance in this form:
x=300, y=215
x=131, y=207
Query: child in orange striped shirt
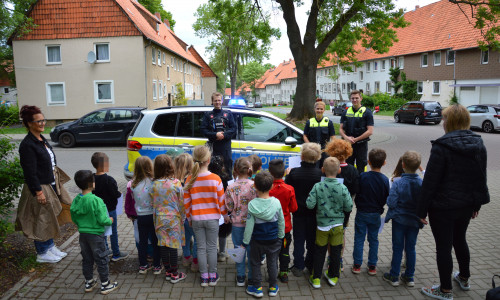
x=204, y=204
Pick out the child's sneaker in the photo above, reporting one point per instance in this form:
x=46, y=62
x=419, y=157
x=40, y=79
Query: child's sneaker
x=436, y=293
x=464, y=284
x=356, y=269
x=204, y=281
x=331, y=280
x=255, y=291
x=157, y=270
x=407, y=280
x=283, y=277
x=393, y=280
x=176, y=278
x=221, y=257
x=297, y=272
x=144, y=269
x=108, y=286
x=315, y=282
x=273, y=291
x=168, y=276
x=240, y=280
x=120, y=256
x=58, y=253
x=90, y=284
x=372, y=270
x=214, y=280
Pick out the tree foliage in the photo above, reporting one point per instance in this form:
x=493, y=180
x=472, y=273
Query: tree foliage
x=238, y=33
x=251, y=73
x=155, y=6
x=11, y=175
x=179, y=98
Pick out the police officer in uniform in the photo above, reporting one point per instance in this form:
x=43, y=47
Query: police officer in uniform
x=319, y=129
x=356, y=127
x=219, y=127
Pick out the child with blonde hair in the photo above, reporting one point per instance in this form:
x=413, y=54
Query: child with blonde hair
x=204, y=204
x=138, y=200
x=238, y=195
x=169, y=216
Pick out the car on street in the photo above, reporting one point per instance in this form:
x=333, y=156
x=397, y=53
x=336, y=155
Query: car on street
x=485, y=116
x=258, y=104
x=340, y=108
x=419, y=112
x=250, y=105
x=177, y=130
x=110, y=125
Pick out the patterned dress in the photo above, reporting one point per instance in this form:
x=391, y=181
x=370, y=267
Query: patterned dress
x=169, y=214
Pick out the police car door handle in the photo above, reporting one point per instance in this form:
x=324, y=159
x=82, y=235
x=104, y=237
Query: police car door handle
x=186, y=145
x=249, y=147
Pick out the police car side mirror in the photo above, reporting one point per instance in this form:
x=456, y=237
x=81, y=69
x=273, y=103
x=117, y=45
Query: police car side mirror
x=291, y=141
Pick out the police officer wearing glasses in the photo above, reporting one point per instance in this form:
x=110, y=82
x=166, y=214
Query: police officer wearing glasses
x=219, y=127
x=356, y=127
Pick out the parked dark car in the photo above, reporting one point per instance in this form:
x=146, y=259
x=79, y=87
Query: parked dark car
x=112, y=124
x=258, y=104
x=340, y=108
x=419, y=112
x=485, y=116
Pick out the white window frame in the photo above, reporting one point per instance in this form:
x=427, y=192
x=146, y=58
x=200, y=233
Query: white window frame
x=153, y=55
x=96, y=91
x=172, y=62
x=168, y=72
x=375, y=66
x=160, y=89
x=420, y=83
x=454, y=57
x=361, y=76
x=164, y=57
x=109, y=53
x=388, y=87
x=49, y=97
x=401, y=62
x=434, y=58
x=434, y=92
x=159, y=58
x=155, y=90
x=47, y=55
x=377, y=87
x=487, y=56
x=382, y=65
x=368, y=66
x=426, y=55
x=367, y=87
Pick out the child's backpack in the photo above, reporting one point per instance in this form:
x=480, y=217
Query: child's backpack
x=494, y=293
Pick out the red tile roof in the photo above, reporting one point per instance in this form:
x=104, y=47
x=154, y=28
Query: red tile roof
x=206, y=71
x=67, y=19
x=437, y=26
x=285, y=70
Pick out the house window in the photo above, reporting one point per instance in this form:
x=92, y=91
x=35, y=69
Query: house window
x=361, y=77
x=393, y=62
x=168, y=72
x=102, y=52
x=5, y=90
x=388, y=87
x=53, y=54
x=343, y=87
x=420, y=87
x=153, y=55
x=155, y=90
x=485, y=56
x=164, y=58
x=175, y=64
x=436, y=87
x=171, y=61
x=367, y=87
x=104, y=91
x=423, y=60
x=450, y=57
x=56, y=93
x=375, y=66
x=377, y=86
x=383, y=64
x=160, y=89
x=437, y=58
x=159, y=58
x=368, y=65
x=401, y=62
x=165, y=90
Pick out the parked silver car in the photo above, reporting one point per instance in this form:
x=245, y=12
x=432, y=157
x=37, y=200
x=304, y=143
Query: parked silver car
x=485, y=117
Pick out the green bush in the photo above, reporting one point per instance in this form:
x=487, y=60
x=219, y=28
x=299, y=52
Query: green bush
x=9, y=115
x=383, y=100
x=11, y=175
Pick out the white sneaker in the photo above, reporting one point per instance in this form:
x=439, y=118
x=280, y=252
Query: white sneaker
x=47, y=258
x=54, y=250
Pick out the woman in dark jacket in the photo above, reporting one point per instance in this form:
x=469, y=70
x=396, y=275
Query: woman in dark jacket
x=42, y=194
x=453, y=190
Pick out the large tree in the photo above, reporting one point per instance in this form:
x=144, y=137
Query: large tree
x=155, y=6
x=238, y=33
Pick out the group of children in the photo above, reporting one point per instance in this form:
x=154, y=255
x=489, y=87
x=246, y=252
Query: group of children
x=173, y=200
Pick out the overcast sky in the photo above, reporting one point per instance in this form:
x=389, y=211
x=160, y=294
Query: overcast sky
x=183, y=14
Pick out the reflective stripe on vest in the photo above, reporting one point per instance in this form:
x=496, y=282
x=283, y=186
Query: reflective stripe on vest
x=359, y=114
x=314, y=123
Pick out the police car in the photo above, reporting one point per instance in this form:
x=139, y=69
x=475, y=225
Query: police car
x=177, y=130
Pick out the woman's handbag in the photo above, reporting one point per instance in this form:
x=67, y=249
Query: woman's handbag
x=494, y=293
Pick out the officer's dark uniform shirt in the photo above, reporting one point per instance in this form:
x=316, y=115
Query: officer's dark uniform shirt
x=356, y=122
x=319, y=132
x=215, y=121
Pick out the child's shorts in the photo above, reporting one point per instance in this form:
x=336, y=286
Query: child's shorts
x=333, y=237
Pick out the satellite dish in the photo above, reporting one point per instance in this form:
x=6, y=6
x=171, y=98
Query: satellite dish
x=91, y=57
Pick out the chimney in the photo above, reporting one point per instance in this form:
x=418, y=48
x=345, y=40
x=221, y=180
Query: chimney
x=417, y=7
x=167, y=23
x=158, y=16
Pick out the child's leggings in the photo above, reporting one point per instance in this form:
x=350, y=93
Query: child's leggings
x=170, y=259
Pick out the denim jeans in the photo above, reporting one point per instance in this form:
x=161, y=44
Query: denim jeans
x=403, y=237
x=147, y=230
x=237, y=236
x=93, y=251
x=114, y=235
x=366, y=224
x=43, y=247
x=188, y=233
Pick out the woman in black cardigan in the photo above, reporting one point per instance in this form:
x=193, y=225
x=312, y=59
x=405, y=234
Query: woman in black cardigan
x=40, y=202
x=453, y=190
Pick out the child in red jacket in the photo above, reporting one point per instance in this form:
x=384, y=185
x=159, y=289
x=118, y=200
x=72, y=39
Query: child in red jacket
x=286, y=194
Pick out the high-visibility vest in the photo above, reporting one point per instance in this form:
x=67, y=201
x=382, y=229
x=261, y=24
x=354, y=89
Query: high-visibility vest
x=359, y=114
x=314, y=123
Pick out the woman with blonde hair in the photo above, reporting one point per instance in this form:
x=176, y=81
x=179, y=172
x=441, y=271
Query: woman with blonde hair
x=453, y=191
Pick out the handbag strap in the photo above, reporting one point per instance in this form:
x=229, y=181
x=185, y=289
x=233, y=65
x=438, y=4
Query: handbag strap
x=493, y=280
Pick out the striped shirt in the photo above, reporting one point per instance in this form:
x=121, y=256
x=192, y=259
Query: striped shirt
x=206, y=199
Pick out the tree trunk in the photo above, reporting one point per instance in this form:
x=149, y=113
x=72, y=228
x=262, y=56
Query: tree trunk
x=305, y=95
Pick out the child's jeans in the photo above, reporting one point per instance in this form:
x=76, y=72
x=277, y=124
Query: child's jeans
x=366, y=224
x=206, y=233
x=146, y=228
x=114, y=235
x=237, y=236
x=93, y=250
x=403, y=237
x=271, y=249
x=188, y=233
x=285, y=253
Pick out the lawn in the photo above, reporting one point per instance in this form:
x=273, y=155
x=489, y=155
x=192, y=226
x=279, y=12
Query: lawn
x=20, y=130
x=389, y=113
